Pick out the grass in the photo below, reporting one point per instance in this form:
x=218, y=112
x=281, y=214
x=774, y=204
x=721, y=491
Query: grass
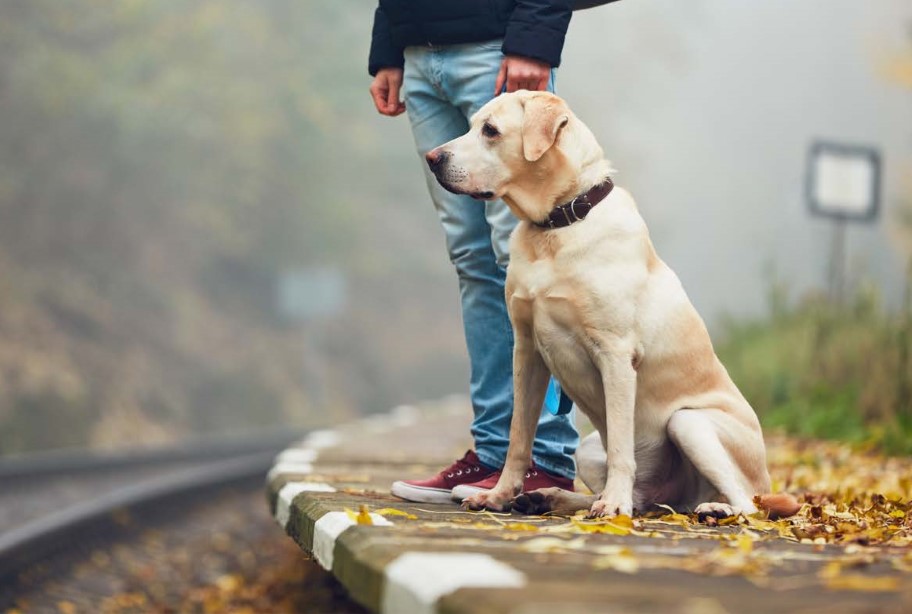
x=818, y=369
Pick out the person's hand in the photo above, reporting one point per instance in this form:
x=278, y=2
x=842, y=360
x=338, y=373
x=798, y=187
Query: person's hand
x=385, y=91
x=519, y=73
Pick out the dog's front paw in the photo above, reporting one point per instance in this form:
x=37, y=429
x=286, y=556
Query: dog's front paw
x=487, y=500
x=609, y=507
x=714, y=509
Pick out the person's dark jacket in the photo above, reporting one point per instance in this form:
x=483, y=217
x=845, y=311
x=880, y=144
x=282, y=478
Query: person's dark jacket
x=530, y=28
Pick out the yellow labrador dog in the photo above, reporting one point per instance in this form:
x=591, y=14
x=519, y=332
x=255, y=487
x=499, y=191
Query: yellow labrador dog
x=592, y=303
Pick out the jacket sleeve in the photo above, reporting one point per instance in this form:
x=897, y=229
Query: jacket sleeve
x=383, y=53
x=537, y=28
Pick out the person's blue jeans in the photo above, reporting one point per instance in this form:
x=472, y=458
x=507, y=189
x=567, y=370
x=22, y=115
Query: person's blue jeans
x=443, y=86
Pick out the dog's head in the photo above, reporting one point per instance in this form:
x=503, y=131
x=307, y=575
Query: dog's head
x=527, y=148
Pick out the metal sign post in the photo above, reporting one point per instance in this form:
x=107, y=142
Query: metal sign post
x=305, y=298
x=843, y=183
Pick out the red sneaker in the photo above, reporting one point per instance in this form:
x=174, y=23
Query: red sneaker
x=535, y=478
x=439, y=489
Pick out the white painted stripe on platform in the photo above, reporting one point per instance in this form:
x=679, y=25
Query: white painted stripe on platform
x=405, y=415
x=322, y=439
x=288, y=467
x=379, y=423
x=327, y=530
x=297, y=455
x=416, y=580
x=292, y=490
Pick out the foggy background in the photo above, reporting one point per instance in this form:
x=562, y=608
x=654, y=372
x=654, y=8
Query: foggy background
x=206, y=228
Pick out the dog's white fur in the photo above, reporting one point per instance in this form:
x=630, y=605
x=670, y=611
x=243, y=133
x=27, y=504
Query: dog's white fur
x=593, y=304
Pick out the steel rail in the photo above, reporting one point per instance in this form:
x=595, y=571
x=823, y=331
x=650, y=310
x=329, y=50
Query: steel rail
x=66, y=462
x=31, y=543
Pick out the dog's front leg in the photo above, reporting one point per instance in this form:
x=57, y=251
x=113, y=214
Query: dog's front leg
x=619, y=383
x=530, y=382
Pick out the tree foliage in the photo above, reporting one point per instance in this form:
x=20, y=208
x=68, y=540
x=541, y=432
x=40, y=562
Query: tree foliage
x=161, y=163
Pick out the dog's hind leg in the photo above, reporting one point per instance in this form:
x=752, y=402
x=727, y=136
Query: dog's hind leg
x=592, y=462
x=697, y=436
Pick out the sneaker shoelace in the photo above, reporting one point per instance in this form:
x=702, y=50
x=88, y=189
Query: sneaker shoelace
x=462, y=467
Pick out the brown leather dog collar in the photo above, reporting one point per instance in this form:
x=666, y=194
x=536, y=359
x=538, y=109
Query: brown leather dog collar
x=578, y=208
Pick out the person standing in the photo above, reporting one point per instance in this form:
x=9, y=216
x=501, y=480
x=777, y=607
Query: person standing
x=440, y=61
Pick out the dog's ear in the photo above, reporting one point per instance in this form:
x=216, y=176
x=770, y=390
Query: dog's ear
x=543, y=117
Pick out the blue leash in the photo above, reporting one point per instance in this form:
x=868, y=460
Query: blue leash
x=556, y=401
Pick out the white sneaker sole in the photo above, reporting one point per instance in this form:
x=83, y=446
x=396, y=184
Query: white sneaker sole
x=463, y=491
x=421, y=494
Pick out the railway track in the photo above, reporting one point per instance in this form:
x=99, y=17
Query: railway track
x=35, y=486
x=63, y=515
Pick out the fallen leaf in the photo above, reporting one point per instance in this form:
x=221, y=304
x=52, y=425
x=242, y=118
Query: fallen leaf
x=624, y=562
x=553, y=544
x=361, y=517
x=391, y=511
x=520, y=526
x=600, y=527
x=859, y=582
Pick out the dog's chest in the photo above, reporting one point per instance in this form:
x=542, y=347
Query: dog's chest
x=549, y=303
x=568, y=301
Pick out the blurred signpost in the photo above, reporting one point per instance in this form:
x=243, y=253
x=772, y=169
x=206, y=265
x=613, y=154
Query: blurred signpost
x=311, y=292
x=843, y=183
x=306, y=295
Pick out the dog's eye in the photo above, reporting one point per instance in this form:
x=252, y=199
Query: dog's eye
x=489, y=131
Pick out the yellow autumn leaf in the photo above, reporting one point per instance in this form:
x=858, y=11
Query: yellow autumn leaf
x=364, y=516
x=678, y=519
x=903, y=564
x=624, y=562
x=745, y=543
x=603, y=526
x=541, y=545
x=623, y=520
x=391, y=511
x=831, y=570
x=756, y=521
x=361, y=517
x=484, y=526
x=520, y=526
x=860, y=582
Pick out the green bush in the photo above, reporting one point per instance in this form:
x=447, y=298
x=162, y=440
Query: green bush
x=819, y=369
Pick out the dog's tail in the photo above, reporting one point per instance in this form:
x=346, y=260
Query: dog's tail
x=779, y=505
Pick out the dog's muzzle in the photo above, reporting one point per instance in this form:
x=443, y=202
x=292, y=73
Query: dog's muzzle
x=436, y=159
x=449, y=177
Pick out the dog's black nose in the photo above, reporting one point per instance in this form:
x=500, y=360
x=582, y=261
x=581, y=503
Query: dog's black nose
x=436, y=158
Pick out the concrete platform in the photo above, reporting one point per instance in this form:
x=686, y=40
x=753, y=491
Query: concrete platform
x=416, y=558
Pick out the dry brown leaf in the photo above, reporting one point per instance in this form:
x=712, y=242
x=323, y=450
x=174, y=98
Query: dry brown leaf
x=859, y=582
